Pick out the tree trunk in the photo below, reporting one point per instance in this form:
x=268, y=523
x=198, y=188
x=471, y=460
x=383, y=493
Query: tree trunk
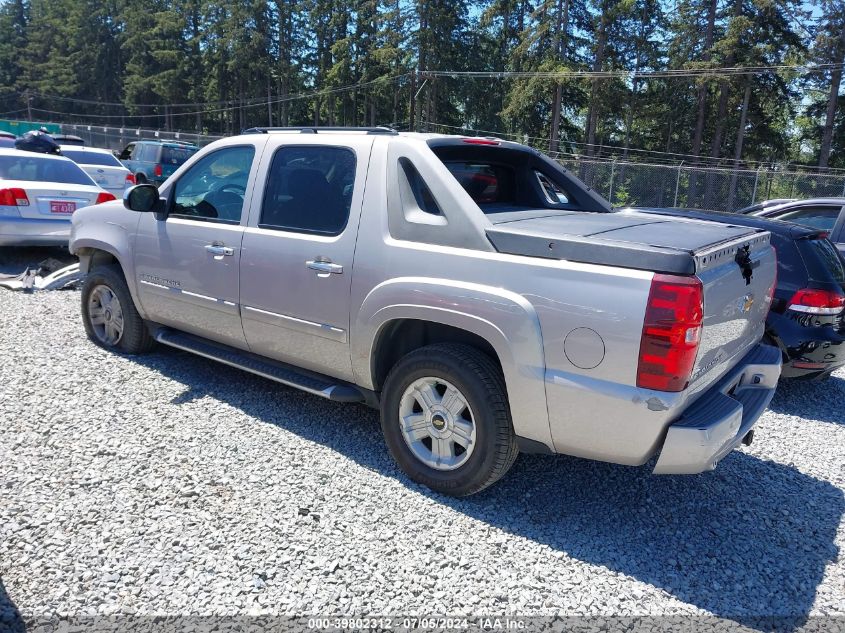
x=832, y=101
x=740, y=138
x=701, y=98
x=592, y=111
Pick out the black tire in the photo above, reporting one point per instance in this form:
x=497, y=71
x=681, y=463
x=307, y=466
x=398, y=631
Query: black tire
x=135, y=337
x=482, y=385
x=140, y=179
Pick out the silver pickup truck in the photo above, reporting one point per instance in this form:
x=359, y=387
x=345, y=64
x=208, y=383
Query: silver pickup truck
x=479, y=294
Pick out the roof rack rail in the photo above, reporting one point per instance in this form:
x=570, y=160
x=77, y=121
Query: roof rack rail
x=165, y=140
x=315, y=130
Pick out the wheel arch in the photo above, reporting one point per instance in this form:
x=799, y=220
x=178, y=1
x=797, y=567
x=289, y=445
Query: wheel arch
x=500, y=323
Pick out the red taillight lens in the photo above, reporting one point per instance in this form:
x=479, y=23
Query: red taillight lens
x=671, y=333
x=157, y=171
x=104, y=197
x=130, y=179
x=812, y=301
x=13, y=197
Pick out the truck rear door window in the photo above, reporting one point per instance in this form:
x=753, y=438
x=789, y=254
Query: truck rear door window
x=486, y=183
x=309, y=190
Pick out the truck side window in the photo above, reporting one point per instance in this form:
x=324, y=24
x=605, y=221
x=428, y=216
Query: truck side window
x=213, y=188
x=422, y=194
x=309, y=190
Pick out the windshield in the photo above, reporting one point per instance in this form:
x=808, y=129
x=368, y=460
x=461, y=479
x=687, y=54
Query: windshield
x=176, y=155
x=91, y=158
x=34, y=168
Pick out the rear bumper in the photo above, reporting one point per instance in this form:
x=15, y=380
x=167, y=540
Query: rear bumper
x=811, y=351
x=33, y=232
x=718, y=421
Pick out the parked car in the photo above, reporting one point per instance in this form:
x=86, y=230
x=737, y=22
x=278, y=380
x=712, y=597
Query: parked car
x=102, y=166
x=68, y=139
x=7, y=139
x=152, y=161
x=807, y=318
x=826, y=214
x=524, y=314
x=38, y=195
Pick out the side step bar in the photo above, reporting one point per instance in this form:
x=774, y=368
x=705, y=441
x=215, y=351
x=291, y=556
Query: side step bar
x=280, y=372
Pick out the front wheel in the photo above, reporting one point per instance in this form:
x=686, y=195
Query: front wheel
x=109, y=314
x=446, y=419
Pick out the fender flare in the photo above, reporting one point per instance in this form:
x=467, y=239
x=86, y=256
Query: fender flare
x=504, y=319
x=80, y=244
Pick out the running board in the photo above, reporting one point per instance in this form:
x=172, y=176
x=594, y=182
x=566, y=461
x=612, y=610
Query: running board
x=280, y=372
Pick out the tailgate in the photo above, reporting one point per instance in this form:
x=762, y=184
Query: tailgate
x=737, y=278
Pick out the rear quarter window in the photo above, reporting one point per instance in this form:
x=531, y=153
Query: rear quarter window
x=823, y=260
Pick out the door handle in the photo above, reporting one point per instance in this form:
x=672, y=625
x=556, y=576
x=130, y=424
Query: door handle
x=219, y=250
x=324, y=268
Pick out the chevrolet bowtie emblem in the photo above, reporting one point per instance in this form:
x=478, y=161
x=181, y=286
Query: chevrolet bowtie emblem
x=747, y=302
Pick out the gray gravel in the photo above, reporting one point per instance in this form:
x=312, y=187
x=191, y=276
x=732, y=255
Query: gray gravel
x=167, y=484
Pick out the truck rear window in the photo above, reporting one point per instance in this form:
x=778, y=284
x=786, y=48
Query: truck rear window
x=486, y=183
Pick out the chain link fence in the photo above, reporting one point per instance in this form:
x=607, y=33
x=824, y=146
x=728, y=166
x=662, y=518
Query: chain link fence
x=718, y=189
x=115, y=138
x=624, y=183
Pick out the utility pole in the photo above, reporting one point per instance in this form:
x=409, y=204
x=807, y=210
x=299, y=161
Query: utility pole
x=412, y=106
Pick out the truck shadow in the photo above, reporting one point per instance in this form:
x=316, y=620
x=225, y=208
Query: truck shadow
x=10, y=618
x=820, y=401
x=764, y=530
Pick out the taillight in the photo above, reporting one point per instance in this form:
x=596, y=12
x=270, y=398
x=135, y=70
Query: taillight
x=104, y=197
x=157, y=171
x=812, y=301
x=130, y=179
x=13, y=197
x=671, y=333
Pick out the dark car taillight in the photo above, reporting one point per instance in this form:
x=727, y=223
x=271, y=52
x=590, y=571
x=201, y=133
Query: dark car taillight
x=157, y=171
x=814, y=301
x=671, y=333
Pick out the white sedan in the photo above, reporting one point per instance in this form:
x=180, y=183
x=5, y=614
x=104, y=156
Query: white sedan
x=102, y=166
x=38, y=194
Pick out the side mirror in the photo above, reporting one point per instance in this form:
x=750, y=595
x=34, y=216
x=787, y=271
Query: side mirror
x=143, y=198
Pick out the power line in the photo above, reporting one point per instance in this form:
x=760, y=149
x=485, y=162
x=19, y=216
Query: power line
x=252, y=102
x=630, y=74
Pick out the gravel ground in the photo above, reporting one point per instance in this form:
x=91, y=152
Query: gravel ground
x=168, y=484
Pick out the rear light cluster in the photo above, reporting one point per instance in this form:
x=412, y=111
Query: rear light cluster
x=671, y=333
x=13, y=197
x=130, y=179
x=813, y=301
x=157, y=171
x=105, y=197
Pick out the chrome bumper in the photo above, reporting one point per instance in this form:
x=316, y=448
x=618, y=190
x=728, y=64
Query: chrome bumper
x=33, y=232
x=718, y=421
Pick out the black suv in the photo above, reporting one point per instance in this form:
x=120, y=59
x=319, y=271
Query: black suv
x=807, y=317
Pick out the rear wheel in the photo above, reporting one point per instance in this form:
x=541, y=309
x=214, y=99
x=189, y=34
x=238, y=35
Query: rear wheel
x=109, y=314
x=446, y=419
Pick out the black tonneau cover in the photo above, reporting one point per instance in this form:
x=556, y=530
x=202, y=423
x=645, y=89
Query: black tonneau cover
x=628, y=240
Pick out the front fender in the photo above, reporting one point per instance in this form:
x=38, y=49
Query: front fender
x=92, y=232
x=504, y=319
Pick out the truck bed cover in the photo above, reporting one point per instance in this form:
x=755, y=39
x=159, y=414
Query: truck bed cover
x=626, y=239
